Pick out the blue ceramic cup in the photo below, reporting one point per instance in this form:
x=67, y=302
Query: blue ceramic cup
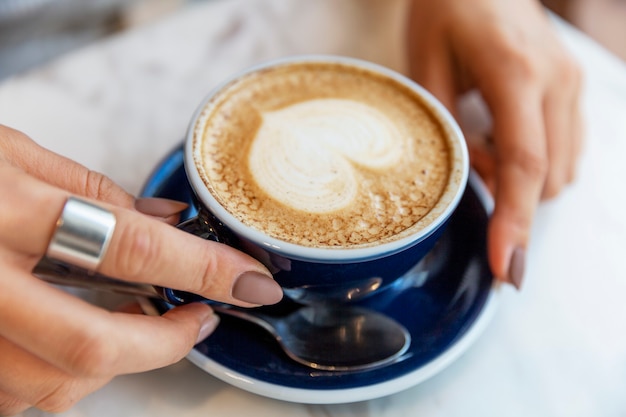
x=312, y=274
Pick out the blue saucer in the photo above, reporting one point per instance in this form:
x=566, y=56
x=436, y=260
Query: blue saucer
x=444, y=312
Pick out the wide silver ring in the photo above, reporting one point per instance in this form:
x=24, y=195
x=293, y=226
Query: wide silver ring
x=82, y=234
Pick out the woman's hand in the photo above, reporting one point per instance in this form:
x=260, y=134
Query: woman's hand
x=510, y=53
x=56, y=348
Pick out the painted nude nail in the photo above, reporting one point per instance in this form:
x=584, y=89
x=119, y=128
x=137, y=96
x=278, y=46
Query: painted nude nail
x=159, y=207
x=517, y=266
x=257, y=288
x=208, y=326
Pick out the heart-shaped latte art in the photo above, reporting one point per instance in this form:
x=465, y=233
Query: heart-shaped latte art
x=308, y=155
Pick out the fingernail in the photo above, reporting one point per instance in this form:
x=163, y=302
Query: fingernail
x=208, y=326
x=159, y=207
x=256, y=288
x=517, y=265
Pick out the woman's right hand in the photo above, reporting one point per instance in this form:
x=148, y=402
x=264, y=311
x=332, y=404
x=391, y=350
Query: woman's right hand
x=56, y=348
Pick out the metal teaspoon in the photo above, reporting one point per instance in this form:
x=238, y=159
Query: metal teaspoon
x=323, y=337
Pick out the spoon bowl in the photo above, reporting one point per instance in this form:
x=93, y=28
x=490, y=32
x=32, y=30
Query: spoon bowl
x=332, y=337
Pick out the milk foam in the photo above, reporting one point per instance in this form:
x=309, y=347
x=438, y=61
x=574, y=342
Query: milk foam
x=308, y=155
x=324, y=155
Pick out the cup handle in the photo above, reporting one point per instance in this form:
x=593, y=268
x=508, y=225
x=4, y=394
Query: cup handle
x=205, y=226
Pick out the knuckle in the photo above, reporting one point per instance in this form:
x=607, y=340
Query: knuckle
x=524, y=67
x=136, y=252
x=516, y=58
x=98, y=186
x=205, y=282
x=532, y=163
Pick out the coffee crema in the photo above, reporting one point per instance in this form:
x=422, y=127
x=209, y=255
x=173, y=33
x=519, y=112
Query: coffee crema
x=323, y=155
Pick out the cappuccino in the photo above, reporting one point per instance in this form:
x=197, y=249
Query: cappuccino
x=324, y=155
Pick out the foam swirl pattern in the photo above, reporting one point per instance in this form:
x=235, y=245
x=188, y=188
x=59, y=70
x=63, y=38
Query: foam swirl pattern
x=308, y=155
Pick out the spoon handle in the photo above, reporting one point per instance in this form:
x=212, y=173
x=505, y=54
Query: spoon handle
x=256, y=318
x=71, y=276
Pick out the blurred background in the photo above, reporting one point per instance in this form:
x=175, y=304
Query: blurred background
x=35, y=31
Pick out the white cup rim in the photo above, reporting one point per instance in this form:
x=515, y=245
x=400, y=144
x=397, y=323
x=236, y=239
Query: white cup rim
x=455, y=187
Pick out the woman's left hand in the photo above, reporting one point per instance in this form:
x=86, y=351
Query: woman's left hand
x=510, y=53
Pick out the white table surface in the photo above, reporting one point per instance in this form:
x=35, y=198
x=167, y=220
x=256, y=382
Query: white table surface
x=557, y=348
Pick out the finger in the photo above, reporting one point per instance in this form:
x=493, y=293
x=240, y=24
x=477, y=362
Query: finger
x=144, y=251
x=39, y=162
x=23, y=152
x=521, y=168
x=561, y=136
x=439, y=85
x=577, y=134
x=85, y=341
x=141, y=249
x=27, y=380
x=576, y=127
x=558, y=147
x=430, y=66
